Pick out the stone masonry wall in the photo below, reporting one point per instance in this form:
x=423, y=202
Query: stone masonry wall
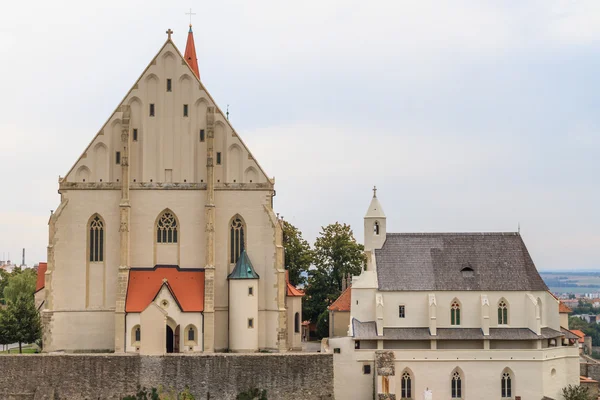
x=216, y=377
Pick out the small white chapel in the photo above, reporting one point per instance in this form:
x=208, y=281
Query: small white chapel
x=165, y=239
x=449, y=316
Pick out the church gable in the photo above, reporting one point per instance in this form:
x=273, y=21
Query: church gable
x=165, y=114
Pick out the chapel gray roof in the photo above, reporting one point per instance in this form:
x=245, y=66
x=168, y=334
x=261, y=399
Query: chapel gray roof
x=434, y=261
x=368, y=330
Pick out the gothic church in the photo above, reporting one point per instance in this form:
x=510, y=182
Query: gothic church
x=165, y=239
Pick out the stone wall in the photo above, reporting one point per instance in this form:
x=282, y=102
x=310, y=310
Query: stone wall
x=218, y=377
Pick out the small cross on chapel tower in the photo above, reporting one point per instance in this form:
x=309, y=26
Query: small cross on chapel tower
x=169, y=32
x=374, y=191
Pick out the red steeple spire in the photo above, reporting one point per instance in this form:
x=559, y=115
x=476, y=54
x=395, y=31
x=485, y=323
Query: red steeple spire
x=190, y=53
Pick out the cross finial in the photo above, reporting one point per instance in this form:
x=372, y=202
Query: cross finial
x=169, y=32
x=374, y=191
x=190, y=14
x=228, y=112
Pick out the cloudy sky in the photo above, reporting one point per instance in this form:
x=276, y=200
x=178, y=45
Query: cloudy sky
x=467, y=115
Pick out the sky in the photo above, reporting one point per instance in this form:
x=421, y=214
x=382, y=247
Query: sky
x=466, y=115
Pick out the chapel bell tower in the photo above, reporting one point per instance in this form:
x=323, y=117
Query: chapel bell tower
x=375, y=225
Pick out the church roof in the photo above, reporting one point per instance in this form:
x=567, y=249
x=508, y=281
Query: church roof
x=292, y=291
x=563, y=308
x=368, y=330
x=41, y=276
x=243, y=268
x=456, y=261
x=375, y=210
x=186, y=285
x=342, y=303
x=190, y=53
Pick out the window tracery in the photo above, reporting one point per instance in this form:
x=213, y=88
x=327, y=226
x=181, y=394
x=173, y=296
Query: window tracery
x=166, y=228
x=455, y=313
x=456, y=386
x=502, y=313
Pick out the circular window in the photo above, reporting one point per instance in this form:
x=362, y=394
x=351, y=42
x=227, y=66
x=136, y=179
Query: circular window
x=164, y=303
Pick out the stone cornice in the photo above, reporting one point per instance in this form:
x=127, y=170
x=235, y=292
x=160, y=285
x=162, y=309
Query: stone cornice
x=162, y=186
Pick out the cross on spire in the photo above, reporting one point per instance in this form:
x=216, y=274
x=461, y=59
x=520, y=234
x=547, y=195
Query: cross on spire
x=190, y=14
x=169, y=32
x=374, y=191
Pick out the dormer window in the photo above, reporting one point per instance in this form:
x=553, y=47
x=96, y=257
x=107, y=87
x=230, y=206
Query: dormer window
x=467, y=272
x=376, y=228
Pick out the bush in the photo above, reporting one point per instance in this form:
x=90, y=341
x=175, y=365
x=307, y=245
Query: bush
x=323, y=325
x=573, y=392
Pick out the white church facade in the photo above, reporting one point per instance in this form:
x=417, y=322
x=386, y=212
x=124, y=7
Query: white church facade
x=154, y=217
x=451, y=315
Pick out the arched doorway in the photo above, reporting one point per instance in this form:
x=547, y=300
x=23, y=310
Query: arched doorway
x=170, y=341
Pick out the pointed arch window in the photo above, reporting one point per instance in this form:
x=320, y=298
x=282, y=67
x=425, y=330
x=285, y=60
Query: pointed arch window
x=456, y=385
x=406, y=386
x=455, y=313
x=96, y=239
x=506, y=385
x=502, y=313
x=237, y=239
x=166, y=228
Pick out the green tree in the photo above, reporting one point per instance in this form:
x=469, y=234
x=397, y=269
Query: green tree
x=20, y=282
x=298, y=255
x=323, y=324
x=337, y=255
x=573, y=392
x=21, y=321
x=4, y=276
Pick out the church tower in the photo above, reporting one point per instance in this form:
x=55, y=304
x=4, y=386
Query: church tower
x=375, y=224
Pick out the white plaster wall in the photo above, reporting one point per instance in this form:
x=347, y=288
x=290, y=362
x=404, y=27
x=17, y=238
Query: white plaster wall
x=481, y=371
x=294, y=305
x=416, y=308
x=243, y=307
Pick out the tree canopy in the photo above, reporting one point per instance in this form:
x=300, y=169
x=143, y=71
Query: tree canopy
x=337, y=255
x=19, y=282
x=298, y=255
x=20, y=321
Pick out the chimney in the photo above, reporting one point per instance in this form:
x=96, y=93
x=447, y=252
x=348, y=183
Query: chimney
x=23, y=262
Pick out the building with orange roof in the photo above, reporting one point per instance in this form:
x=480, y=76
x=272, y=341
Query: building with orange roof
x=40, y=294
x=161, y=208
x=339, y=314
x=564, y=311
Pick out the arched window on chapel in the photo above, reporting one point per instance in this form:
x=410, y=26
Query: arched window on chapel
x=406, y=386
x=166, y=228
x=237, y=239
x=455, y=313
x=376, y=228
x=502, y=313
x=506, y=382
x=96, y=239
x=456, y=386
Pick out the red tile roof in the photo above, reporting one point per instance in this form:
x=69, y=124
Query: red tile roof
x=291, y=290
x=585, y=379
x=563, y=308
x=41, y=276
x=190, y=53
x=342, y=303
x=578, y=333
x=187, y=286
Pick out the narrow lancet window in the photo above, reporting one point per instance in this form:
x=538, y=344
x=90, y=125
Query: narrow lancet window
x=96, y=240
x=455, y=313
x=502, y=313
x=237, y=244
